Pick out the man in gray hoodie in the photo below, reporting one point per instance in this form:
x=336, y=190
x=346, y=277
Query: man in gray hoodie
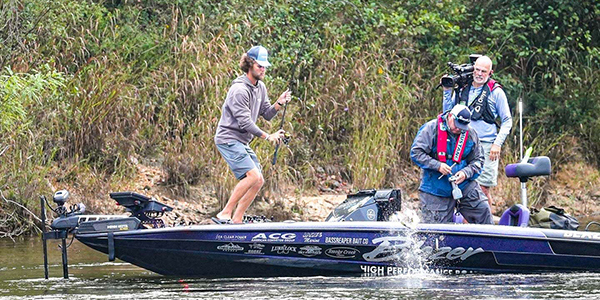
x=246, y=100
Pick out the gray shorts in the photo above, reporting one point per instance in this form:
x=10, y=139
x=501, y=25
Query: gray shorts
x=489, y=173
x=240, y=158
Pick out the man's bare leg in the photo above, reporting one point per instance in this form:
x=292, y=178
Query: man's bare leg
x=241, y=188
x=247, y=199
x=486, y=191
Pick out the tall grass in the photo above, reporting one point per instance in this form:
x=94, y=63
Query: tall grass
x=90, y=86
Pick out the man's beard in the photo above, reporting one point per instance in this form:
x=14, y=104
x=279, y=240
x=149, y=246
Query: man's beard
x=482, y=81
x=257, y=75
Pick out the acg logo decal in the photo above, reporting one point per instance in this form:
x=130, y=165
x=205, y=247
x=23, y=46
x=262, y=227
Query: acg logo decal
x=275, y=237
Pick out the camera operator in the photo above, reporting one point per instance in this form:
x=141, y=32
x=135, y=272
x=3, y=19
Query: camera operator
x=487, y=101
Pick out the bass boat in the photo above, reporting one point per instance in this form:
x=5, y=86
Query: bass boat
x=358, y=237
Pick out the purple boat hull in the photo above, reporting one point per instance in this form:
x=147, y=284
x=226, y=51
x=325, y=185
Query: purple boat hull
x=338, y=248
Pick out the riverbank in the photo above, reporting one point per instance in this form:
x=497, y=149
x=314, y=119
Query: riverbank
x=576, y=187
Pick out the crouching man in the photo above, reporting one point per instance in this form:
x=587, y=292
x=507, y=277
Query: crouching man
x=447, y=147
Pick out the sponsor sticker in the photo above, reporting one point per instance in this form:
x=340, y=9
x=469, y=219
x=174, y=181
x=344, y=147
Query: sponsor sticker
x=275, y=237
x=231, y=247
x=312, y=237
x=120, y=227
x=346, y=240
x=255, y=248
x=283, y=249
x=230, y=237
x=342, y=252
x=310, y=251
x=371, y=214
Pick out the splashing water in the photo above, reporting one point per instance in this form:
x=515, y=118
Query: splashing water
x=404, y=247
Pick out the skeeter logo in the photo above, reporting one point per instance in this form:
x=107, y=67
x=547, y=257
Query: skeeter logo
x=396, y=247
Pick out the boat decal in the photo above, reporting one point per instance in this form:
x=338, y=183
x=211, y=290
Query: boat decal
x=310, y=251
x=396, y=247
x=582, y=235
x=283, y=249
x=120, y=227
x=450, y=253
x=346, y=240
x=371, y=214
x=312, y=237
x=231, y=247
x=231, y=237
x=369, y=270
x=256, y=246
x=275, y=237
x=342, y=252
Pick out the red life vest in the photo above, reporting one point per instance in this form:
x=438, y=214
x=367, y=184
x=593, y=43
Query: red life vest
x=442, y=142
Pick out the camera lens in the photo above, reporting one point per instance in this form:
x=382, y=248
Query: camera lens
x=448, y=81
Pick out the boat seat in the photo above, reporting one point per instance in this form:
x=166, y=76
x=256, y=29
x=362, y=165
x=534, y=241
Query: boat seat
x=517, y=215
x=535, y=166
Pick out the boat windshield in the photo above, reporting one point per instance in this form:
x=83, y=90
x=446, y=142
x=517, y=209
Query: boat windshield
x=348, y=207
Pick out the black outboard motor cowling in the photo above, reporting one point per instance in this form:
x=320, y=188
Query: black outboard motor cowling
x=368, y=205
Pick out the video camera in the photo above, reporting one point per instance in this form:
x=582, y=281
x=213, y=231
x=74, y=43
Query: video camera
x=464, y=73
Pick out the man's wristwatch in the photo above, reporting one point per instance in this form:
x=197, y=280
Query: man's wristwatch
x=279, y=103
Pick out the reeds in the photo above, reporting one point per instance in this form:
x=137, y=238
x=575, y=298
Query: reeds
x=129, y=80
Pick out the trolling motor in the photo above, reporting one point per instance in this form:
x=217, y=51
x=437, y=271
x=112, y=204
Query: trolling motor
x=145, y=213
x=67, y=220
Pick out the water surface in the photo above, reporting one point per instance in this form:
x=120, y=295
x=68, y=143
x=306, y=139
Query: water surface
x=93, y=277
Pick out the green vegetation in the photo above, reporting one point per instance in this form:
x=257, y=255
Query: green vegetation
x=88, y=86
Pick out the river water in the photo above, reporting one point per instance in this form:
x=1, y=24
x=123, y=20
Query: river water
x=93, y=277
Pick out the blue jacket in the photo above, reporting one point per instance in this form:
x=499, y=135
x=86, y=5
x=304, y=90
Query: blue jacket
x=424, y=153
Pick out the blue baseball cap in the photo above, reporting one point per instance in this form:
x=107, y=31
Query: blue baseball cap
x=462, y=116
x=260, y=54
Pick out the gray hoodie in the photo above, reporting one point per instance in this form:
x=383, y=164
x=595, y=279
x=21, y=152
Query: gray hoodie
x=244, y=103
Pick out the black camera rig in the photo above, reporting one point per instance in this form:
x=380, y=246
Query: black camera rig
x=463, y=74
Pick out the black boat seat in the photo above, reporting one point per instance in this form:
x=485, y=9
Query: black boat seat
x=535, y=166
x=517, y=215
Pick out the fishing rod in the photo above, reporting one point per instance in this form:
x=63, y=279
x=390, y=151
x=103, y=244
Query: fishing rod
x=286, y=138
x=291, y=88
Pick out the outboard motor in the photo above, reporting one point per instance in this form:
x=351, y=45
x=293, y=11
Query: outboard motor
x=368, y=205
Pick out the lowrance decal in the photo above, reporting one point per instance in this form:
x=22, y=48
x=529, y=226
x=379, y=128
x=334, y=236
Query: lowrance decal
x=283, y=249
